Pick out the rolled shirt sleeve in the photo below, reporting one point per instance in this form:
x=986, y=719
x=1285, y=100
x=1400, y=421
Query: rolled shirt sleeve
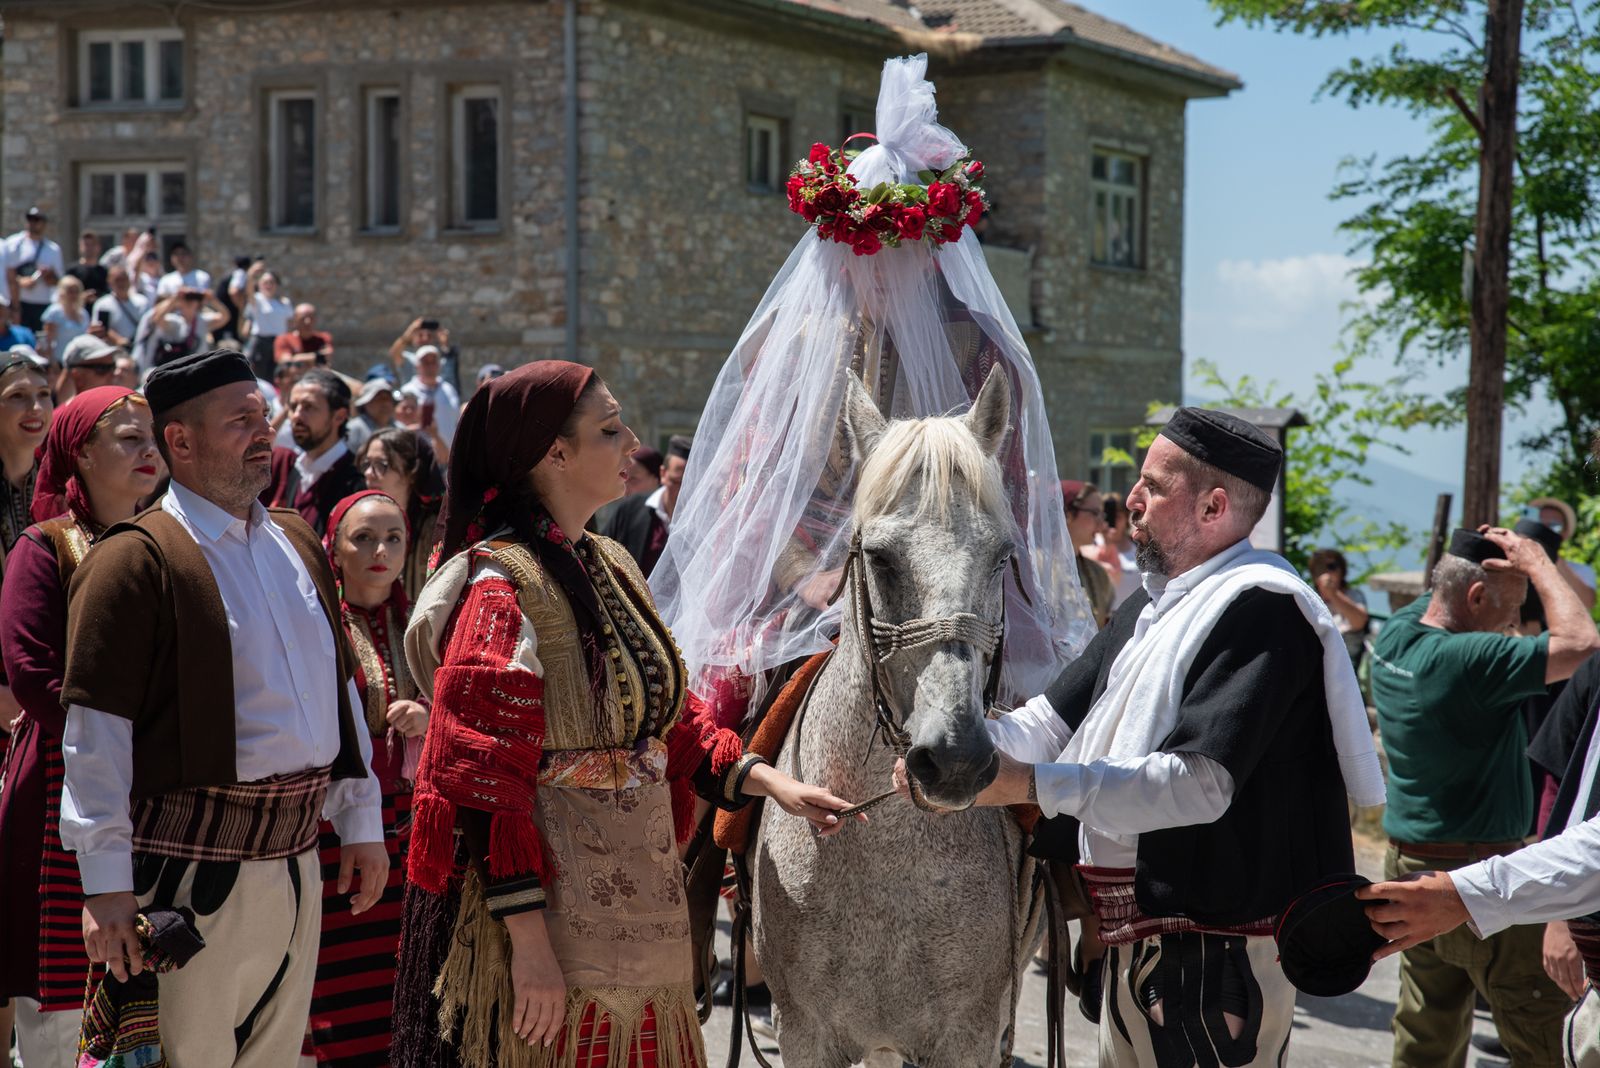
x=1130, y=797
x=97, y=750
x=1557, y=879
x=1033, y=733
x=355, y=806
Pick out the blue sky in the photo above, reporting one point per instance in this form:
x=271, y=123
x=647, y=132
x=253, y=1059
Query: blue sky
x=1265, y=266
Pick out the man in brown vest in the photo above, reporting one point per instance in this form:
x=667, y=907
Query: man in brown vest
x=209, y=727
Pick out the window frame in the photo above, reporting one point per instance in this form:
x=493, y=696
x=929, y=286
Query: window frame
x=369, y=193
x=1110, y=477
x=777, y=126
x=1138, y=192
x=456, y=94
x=273, y=188
x=151, y=38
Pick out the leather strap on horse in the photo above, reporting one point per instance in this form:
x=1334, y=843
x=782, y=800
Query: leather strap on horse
x=732, y=829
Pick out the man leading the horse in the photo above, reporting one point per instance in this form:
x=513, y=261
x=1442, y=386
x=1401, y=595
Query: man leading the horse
x=1204, y=741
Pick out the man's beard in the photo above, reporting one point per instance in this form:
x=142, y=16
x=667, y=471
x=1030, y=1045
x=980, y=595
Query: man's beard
x=235, y=483
x=1149, y=555
x=306, y=439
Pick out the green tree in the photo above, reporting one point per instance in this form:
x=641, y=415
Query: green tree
x=1413, y=220
x=1347, y=418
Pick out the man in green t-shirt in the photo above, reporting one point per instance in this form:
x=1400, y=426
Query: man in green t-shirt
x=1449, y=679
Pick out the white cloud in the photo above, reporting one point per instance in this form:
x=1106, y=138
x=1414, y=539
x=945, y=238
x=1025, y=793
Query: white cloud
x=1276, y=294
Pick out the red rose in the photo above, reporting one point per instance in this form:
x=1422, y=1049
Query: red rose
x=820, y=154
x=832, y=199
x=911, y=222
x=865, y=242
x=878, y=218
x=950, y=230
x=944, y=199
x=975, y=170
x=794, y=186
x=974, y=206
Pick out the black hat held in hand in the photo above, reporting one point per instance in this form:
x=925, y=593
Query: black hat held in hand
x=1325, y=941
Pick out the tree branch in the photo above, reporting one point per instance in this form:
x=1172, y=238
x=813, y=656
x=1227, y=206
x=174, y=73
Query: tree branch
x=1465, y=108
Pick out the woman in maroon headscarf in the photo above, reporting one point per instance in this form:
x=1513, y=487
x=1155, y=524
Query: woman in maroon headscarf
x=99, y=459
x=561, y=763
x=351, y=1002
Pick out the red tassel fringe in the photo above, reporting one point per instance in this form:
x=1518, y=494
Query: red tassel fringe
x=514, y=847
x=725, y=751
x=432, y=856
x=682, y=809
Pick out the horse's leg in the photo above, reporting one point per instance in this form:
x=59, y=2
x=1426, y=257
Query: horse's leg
x=805, y=1042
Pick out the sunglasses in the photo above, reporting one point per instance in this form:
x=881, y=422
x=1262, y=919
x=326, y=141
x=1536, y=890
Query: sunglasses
x=377, y=466
x=98, y=368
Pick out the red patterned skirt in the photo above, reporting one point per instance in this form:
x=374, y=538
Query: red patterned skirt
x=63, y=964
x=352, y=1001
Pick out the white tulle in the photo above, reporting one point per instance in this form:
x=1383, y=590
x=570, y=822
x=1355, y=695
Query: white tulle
x=762, y=523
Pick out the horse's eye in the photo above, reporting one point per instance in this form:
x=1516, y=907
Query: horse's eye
x=879, y=561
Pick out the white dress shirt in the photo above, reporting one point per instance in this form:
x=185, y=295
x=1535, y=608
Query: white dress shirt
x=285, y=679
x=312, y=468
x=653, y=502
x=1557, y=879
x=1121, y=797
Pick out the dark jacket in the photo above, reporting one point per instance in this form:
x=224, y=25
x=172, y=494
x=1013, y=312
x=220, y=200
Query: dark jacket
x=1254, y=702
x=316, y=502
x=633, y=523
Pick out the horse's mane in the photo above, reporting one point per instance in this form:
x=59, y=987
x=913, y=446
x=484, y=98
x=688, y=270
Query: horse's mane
x=935, y=457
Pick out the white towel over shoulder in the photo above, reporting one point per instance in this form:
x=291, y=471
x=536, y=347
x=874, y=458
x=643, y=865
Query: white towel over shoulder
x=1139, y=708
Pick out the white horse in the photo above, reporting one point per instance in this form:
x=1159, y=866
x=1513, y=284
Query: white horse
x=905, y=937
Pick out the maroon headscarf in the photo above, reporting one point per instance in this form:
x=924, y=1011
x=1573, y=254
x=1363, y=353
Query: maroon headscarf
x=397, y=595
x=59, y=490
x=508, y=426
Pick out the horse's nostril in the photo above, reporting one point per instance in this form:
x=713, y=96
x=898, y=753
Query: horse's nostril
x=921, y=765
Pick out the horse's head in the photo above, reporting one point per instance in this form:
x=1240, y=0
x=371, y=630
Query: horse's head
x=936, y=540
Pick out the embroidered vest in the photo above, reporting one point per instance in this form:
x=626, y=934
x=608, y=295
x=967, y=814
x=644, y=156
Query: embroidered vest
x=644, y=675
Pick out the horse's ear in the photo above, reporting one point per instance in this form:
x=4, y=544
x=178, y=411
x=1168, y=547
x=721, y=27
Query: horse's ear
x=863, y=423
x=990, y=417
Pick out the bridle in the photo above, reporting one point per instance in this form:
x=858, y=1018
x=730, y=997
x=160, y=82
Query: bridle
x=881, y=642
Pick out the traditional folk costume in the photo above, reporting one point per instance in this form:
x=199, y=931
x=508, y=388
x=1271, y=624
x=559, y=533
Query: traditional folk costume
x=1205, y=742
x=422, y=516
x=558, y=773
x=352, y=1001
x=312, y=486
x=42, y=959
x=210, y=722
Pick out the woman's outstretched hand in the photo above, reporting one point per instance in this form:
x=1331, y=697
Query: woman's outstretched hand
x=812, y=803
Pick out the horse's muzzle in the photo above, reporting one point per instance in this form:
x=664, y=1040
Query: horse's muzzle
x=949, y=780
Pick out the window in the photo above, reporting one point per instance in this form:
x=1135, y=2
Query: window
x=115, y=196
x=763, y=139
x=130, y=68
x=475, y=157
x=1117, y=180
x=1113, y=460
x=291, y=160
x=854, y=119
x=382, y=160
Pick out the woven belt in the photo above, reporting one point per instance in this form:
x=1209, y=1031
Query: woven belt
x=1462, y=851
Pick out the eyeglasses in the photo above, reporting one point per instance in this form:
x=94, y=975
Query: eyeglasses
x=377, y=466
x=1078, y=509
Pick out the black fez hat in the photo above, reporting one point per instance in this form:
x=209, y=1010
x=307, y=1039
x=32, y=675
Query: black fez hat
x=189, y=376
x=1325, y=941
x=1232, y=445
x=1549, y=539
x=1470, y=545
x=679, y=445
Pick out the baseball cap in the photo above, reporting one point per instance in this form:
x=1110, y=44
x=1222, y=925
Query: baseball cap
x=372, y=388
x=86, y=348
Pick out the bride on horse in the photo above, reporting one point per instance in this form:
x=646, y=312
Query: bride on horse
x=888, y=310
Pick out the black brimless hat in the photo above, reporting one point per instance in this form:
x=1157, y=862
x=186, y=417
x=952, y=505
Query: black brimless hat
x=189, y=376
x=1470, y=545
x=1232, y=445
x=1325, y=941
x=1548, y=539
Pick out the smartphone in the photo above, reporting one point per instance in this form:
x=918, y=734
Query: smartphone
x=105, y=317
x=428, y=324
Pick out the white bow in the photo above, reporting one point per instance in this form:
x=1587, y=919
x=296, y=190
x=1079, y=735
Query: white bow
x=909, y=138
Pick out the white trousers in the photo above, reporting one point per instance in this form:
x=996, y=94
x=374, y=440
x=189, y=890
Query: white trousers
x=244, y=1000
x=1184, y=1017
x=46, y=1039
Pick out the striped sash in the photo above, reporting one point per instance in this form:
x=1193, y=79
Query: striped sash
x=264, y=820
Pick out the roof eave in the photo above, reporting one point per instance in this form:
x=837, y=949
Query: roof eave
x=1119, y=63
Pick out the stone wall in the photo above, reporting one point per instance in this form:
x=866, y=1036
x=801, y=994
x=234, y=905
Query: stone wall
x=676, y=250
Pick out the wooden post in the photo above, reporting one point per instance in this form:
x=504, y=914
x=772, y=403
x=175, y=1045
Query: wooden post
x=1437, y=538
x=1497, y=115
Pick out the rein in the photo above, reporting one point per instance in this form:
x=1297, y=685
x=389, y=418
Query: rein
x=883, y=641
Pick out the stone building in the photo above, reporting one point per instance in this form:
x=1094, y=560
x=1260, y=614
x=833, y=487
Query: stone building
x=601, y=179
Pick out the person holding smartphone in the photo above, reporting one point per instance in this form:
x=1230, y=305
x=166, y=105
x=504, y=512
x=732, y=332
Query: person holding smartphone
x=426, y=331
x=119, y=311
x=437, y=400
x=33, y=267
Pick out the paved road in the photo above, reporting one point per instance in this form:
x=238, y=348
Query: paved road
x=1347, y=1032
